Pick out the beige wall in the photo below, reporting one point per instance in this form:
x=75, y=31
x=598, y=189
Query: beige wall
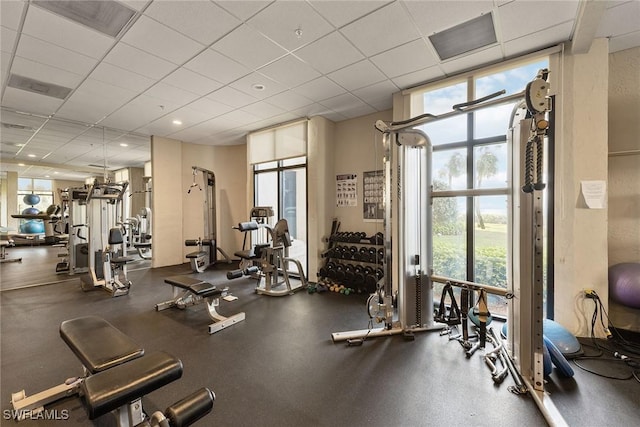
x=624, y=170
x=580, y=241
x=357, y=149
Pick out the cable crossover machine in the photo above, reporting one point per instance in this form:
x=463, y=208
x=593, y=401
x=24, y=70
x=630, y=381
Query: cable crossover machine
x=206, y=255
x=403, y=301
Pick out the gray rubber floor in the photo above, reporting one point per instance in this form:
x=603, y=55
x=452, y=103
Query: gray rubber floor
x=277, y=368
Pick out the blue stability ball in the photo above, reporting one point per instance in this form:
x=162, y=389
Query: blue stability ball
x=33, y=227
x=30, y=211
x=31, y=199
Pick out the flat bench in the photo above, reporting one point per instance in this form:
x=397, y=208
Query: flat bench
x=189, y=291
x=195, y=286
x=98, y=344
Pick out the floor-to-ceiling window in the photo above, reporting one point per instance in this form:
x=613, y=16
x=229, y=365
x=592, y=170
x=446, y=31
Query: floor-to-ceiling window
x=470, y=176
x=279, y=162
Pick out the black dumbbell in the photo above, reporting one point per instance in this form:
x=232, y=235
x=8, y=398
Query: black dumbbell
x=358, y=279
x=373, y=252
x=380, y=255
x=377, y=239
x=349, y=274
x=340, y=273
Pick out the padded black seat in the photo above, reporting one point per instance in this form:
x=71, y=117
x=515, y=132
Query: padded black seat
x=121, y=260
x=97, y=343
x=107, y=391
x=142, y=245
x=196, y=286
x=196, y=254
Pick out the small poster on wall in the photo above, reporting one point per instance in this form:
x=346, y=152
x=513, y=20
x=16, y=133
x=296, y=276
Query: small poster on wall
x=346, y=190
x=373, y=194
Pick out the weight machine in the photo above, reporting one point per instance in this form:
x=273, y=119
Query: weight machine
x=206, y=255
x=76, y=259
x=407, y=262
x=265, y=256
x=107, y=248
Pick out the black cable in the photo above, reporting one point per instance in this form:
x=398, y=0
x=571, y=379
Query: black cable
x=611, y=377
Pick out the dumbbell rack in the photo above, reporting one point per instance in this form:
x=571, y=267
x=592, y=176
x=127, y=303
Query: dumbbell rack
x=353, y=260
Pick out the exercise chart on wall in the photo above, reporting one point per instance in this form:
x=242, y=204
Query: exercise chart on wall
x=346, y=190
x=372, y=205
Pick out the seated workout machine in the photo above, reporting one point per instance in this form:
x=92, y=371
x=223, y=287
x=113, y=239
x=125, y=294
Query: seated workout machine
x=117, y=374
x=270, y=258
x=188, y=291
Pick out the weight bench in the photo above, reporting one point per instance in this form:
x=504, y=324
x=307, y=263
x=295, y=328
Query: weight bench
x=116, y=376
x=4, y=244
x=189, y=291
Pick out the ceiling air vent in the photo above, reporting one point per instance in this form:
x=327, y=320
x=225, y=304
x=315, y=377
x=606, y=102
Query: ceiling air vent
x=17, y=126
x=465, y=37
x=36, y=86
x=97, y=166
x=107, y=16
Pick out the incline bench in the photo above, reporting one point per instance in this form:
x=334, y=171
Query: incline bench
x=189, y=291
x=117, y=374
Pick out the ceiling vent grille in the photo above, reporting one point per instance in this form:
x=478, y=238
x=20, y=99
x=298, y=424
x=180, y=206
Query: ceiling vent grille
x=36, y=86
x=476, y=33
x=107, y=16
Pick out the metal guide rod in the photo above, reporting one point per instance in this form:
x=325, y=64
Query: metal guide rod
x=472, y=285
x=428, y=118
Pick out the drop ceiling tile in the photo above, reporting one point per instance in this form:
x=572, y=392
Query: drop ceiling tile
x=247, y=83
x=540, y=39
x=243, y=10
x=623, y=42
x=329, y=53
x=5, y=60
x=555, y=12
x=378, y=94
x=319, y=89
x=232, y=97
x=383, y=29
x=289, y=71
x=93, y=100
x=289, y=100
x=343, y=12
x=418, y=77
x=405, y=59
x=263, y=110
x=137, y=113
x=432, y=17
x=45, y=73
x=248, y=47
x=26, y=101
x=138, y=61
x=620, y=19
x=65, y=33
x=216, y=66
x=346, y=104
x=165, y=92
x=358, y=75
x=191, y=81
x=208, y=108
x=162, y=127
x=190, y=134
x=11, y=14
x=280, y=20
x=7, y=39
x=30, y=122
x=120, y=77
x=194, y=19
x=136, y=5
x=160, y=40
x=55, y=56
x=473, y=60
x=240, y=117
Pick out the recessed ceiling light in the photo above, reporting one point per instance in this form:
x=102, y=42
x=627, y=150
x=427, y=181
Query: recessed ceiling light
x=122, y=144
x=47, y=176
x=31, y=155
x=258, y=86
x=56, y=173
x=177, y=122
x=19, y=145
x=20, y=164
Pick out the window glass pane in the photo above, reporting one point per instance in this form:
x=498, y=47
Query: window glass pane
x=25, y=184
x=295, y=161
x=449, y=169
x=453, y=129
x=492, y=121
x=513, y=80
x=449, y=237
x=490, y=163
x=490, y=251
x=440, y=101
x=294, y=200
x=267, y=165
